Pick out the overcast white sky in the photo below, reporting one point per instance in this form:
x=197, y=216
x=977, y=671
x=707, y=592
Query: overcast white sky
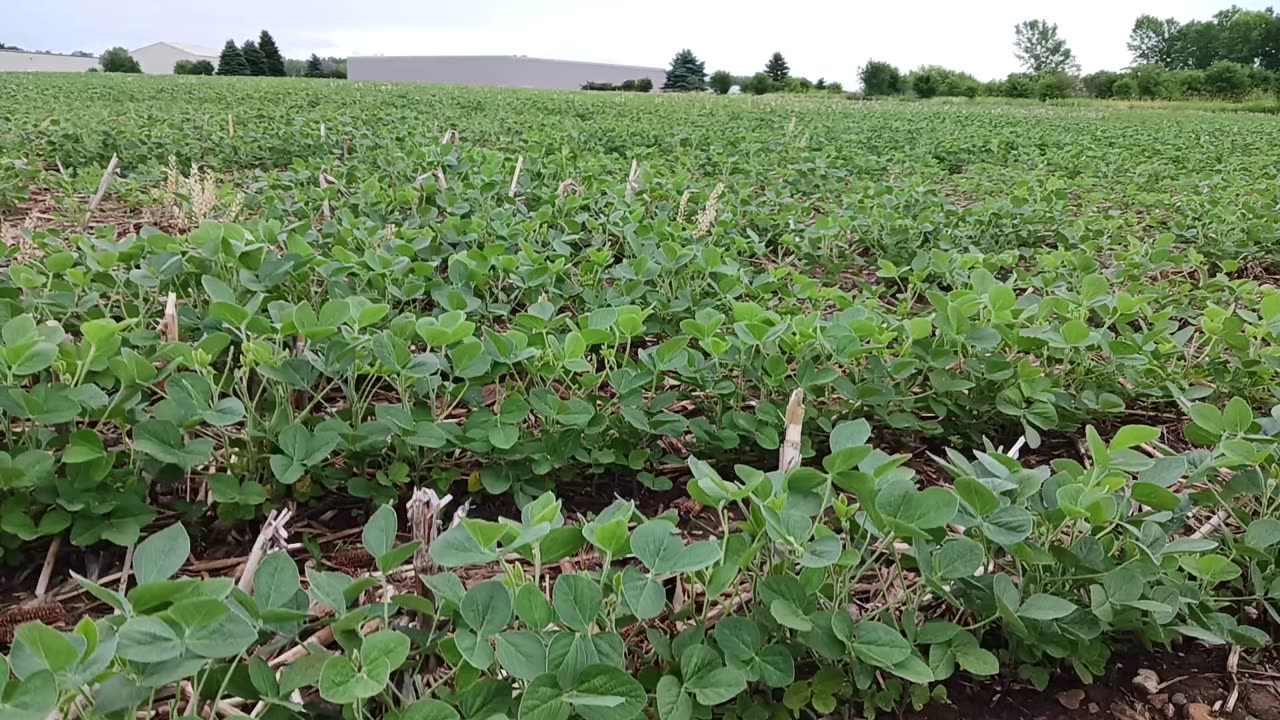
x=831, y=39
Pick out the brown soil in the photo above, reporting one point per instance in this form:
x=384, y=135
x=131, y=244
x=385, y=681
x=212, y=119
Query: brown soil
x=1192, y=675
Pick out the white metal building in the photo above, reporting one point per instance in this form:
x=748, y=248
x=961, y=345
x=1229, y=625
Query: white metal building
x=513, y=71
x=159, y=58
x=16, y=61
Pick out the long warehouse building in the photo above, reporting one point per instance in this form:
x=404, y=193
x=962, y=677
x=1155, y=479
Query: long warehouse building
x=510, y=71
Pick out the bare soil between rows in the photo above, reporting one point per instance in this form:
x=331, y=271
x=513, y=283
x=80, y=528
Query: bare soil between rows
x=1196, y=686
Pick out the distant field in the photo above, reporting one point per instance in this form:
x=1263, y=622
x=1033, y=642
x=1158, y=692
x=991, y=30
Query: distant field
x=380, y=287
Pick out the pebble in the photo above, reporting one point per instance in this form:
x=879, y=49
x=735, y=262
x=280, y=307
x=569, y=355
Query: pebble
x=1071, y=699
x=1178, y=699
x=1093, y=708
x=1159, y=701
x=1169, y=711
x=1199, y=711
x=1148, y=680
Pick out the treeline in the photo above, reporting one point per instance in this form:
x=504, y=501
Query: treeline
x=1232, y=55
x=689, y=74
x=263, y=58
x=642, y=85
x=260, y=58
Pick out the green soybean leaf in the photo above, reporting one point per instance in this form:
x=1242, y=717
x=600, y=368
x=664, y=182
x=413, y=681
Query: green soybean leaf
x=576, y=600
x=879, y=644
x=162, y=554
x=487, y=608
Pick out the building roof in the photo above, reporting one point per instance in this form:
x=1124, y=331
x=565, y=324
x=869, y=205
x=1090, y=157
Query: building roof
x=197, y=50
x=511, y=57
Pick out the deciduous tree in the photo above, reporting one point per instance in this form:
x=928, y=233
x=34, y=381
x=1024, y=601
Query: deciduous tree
x=117, y=59
x=1039, y=48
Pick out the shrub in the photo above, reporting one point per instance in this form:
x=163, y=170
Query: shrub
x=880, y=78
x=1187, y=83
x=118, y=60
x=197, y=67
x=644, y=85
x=1125, y=88
x=835, y=87
x=759, y=84
x=797, y=85
x=1100, y=84
x=1228, y=79
x=721, y=81
x=1055, y=85
x=1150, y=81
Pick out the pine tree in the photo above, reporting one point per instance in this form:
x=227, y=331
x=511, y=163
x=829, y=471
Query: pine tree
x=315, y=68
x=777, y=69
x=231, y=61
x=254, y=58
x=271, y=51
x=687, y=73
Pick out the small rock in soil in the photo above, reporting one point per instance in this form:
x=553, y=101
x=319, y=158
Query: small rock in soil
x=1178, y=699
x=1159, y=701
x=1169, y=711
x=1148, y=680
x=1071, y=699
x=1199, y=711
x=1093, y=708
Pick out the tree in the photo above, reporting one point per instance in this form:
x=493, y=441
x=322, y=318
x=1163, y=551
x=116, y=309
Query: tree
x=721, y=81
x=1038, y=47
x=925, y=83
x=880, y=78
x=835, y=87
x=777, y=68
x=1228, y=79
x=821, y=84
x=1153, y=40
x=1242, y=35
x=1197, y=45
x=118, y=60
x=198, y=67
x=315, y=68
x=254, y=58
x=687, y=73
x=271, y=53
x=231, y=61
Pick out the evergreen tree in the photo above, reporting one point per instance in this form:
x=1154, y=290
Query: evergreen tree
x=687, y=73
x=231, y=61
x=271, y=52
x=254, y=58
x=777, y=69
x=315, y=68
x=821, y=84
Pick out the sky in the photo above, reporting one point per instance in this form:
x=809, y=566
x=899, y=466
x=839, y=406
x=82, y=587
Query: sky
x=830, y=39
